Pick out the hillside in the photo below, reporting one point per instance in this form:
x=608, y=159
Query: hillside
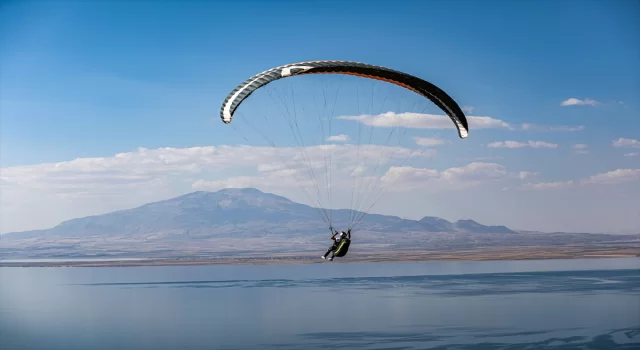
x=249, y=220
x=239, y=212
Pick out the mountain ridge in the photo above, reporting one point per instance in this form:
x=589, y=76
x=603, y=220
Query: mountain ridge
x=240, y=207
x=237, y=222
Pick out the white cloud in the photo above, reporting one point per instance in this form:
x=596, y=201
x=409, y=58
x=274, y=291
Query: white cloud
x=580, y=148
x=135, y=168
x=516, y=144
x=426, y=141
x=435, y=121
x=272, y=181
x=270, y=167
x=358, y=170
x=480, y=159
x=450, y=179
x=475, y=171
x=339, y=138
x=424, y=121
x=632, y=154
x=526, y=174
x=548, y=185
x=623, y=142
x=568, y=128
x=578, y=102
x=467, y=109
x=613, y=177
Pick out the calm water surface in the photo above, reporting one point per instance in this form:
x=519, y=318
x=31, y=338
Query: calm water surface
x=553, y=304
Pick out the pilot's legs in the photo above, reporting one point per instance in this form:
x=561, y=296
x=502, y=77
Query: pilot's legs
x=330, y=250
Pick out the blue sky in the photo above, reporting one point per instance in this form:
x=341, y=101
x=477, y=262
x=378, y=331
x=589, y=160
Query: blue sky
x=87, y=81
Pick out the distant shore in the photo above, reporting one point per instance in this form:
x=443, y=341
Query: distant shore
x=479, y=254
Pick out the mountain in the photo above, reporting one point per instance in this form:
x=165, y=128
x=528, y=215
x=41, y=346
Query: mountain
x=436, y=224
x=214, y=212
x=242, y=212
x=473, y=226
x=248, y=221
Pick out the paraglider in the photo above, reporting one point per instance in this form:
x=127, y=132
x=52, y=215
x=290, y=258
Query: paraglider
x=340, y=246
x=358, y=196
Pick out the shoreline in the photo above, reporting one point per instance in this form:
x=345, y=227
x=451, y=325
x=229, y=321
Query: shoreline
x=478, y=254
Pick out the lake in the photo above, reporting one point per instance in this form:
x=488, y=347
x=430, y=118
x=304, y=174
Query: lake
x=550, y=304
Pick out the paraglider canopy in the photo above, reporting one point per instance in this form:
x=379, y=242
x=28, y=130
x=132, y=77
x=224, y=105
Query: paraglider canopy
x=420, y=86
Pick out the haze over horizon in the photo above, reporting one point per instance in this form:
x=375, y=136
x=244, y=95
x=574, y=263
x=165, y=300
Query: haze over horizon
x=96, y=118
